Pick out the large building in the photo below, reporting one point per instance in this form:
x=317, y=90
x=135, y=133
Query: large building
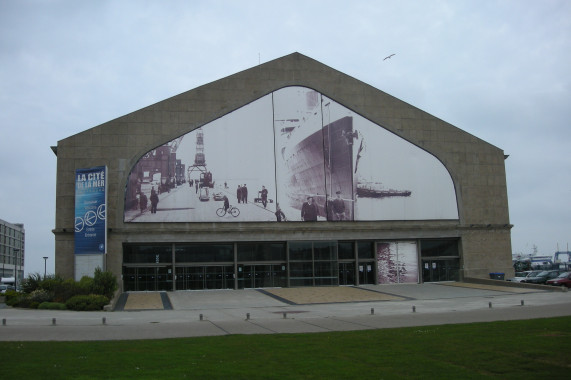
x=12, y=251
x=286, y=174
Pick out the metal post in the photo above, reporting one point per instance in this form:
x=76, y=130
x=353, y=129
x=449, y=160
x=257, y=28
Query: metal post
x=45, y=266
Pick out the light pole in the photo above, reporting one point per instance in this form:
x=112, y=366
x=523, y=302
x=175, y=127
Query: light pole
x=45, y=263
x=16, y=251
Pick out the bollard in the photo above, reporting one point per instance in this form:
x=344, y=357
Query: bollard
x=53, y=321
x=285, y=315
x=414, y=309
x=490, y=305
x=103, y=320
x=4, y=322
x=201, y=317
x=247, y=316
x=521, y=302
x=372, y=311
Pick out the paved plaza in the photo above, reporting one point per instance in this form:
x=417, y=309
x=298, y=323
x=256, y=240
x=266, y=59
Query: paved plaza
x=156, y=315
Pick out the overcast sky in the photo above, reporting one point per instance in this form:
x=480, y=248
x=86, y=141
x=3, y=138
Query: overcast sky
x=499, y=70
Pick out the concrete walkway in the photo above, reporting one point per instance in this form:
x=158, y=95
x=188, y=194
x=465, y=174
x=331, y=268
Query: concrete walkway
x=285, y=310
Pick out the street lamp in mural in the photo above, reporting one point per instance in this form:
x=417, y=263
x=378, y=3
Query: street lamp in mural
x=45, y=265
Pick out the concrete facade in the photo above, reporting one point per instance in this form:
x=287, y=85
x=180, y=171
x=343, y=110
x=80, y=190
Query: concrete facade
x=476, y=167
x=12, y=250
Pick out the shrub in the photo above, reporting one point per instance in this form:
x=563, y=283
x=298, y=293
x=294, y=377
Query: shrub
x=104, y=283
x=17, y=299
x=40, y=295
x=67, y=289
x=60, y=288
x=52, y=306
x=13, y=297
x=32, y=282
x=51, y=282
x=54, y=288
x=89, y=302
x=86, y=285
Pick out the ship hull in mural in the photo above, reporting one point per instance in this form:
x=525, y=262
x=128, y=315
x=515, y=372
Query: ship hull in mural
x=320, y=165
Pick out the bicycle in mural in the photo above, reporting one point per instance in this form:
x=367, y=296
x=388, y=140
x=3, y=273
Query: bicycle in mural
x=231, y=210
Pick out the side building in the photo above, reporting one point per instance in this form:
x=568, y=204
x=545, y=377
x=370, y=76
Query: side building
x=12, y=251
x=286, y=174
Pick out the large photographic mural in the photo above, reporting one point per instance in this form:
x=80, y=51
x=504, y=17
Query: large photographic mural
x=293, y=155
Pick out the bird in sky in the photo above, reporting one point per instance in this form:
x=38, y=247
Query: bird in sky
x=388, y=57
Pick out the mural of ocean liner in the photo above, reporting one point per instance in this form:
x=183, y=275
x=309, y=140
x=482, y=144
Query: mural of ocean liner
x=320, y=165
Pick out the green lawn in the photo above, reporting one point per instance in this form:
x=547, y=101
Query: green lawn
x=531, y=349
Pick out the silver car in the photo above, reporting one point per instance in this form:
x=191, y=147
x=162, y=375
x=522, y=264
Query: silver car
x=520, y=276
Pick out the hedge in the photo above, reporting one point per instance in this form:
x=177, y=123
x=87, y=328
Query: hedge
x=52, y=306
x=91, y=302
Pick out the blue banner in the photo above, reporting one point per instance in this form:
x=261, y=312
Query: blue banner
x=90, y=210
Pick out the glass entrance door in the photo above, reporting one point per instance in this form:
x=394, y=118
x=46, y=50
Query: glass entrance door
x=347, y=273
x=205, y=277
x=366, y=273
x=262, y=276
x=440, y=270
x=150, y=279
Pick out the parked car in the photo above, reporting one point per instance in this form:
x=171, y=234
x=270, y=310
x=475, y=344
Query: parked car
x=520, y=276
x=564, y=279
x=218, y=196
x=542, y=277
x=4, y=288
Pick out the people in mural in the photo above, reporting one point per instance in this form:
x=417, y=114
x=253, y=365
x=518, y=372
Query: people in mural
x=280, y=216
x=239, y=194
x=154, y=201
x=264, y=194
x=309, y=211
x=226, y=203
x=338, y=206
x=143, y=202
x=244, y=194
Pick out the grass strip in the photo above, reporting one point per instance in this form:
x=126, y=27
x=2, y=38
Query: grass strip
x=527, y=349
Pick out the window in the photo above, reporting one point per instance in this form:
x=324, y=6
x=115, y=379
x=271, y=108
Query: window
x=149, y=254
x=200, y=253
